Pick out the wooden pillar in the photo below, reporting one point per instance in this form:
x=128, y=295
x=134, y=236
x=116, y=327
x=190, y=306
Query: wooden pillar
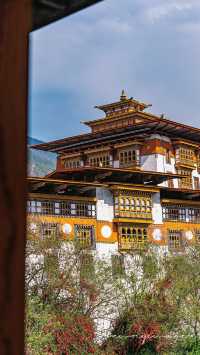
x=14, y=28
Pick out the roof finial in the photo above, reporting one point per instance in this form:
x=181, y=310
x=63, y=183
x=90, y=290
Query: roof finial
x=123, y=96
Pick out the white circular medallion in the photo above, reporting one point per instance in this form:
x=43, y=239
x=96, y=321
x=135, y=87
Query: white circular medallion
x=157, y=235
x=106, y=231
x=67, y=228
x=189, y=235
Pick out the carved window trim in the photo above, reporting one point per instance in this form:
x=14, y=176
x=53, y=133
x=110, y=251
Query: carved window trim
x=132, y=237
x=175, y=240
x=133, y=205
x=84, y=235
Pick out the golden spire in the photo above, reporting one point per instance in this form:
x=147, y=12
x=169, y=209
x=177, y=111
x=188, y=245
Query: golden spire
x=123, y=96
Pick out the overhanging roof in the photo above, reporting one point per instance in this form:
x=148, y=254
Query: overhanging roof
x=47, y=11
x=110, y=175
x=60, y=186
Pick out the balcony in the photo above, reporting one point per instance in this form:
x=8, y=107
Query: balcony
x=185, y=157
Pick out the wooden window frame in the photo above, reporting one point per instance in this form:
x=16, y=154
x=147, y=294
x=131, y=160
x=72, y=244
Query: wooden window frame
x=62, y=208
x=129, y=157
x=84, y=236
x=132, y=205
x=174, y=213
x=132, y=237
x=175, y=240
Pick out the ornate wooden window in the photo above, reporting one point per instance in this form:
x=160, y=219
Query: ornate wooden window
x=185, y=156
x=49, y=230
x=100, y=160
x=72, y=163
x=133, y=204
x=132, y=237
x=186, y=182
x=194, y=214
x=62, y=208
x=85, y=236
x=129, y=157
x=175, y=240
x=174, y=213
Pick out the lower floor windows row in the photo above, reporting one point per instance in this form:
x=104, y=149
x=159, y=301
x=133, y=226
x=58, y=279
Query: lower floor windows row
x=130, y=237
x=84, y=235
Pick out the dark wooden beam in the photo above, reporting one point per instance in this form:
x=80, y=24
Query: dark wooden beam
x=14, y=28
x=48, y=11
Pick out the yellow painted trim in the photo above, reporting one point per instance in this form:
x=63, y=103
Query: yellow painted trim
x=143, y=188
x=59, y=197
x=181, y=202
x=181, y=225
x=132, y=220
x=128, y=144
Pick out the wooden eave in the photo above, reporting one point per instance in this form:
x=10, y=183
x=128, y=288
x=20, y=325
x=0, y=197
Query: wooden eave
x=179, y=193
x=185, y=143
x=59, y=187
x=153, y=124
x=48, y=11
x=121, y=103
x=109, y=175
x=117, y=117
x=94, y=139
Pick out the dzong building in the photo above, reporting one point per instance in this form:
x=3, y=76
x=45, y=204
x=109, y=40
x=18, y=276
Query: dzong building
x=132, y=182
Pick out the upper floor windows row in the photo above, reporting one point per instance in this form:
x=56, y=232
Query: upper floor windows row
x=62, y=208
x=126, y=157
x=101, y=160
x=180, y=213
x=72, y=163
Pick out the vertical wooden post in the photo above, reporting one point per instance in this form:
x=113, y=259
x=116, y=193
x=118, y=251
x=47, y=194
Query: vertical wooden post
x=14, y=28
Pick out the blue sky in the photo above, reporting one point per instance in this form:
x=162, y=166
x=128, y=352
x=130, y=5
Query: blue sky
x=150, y=48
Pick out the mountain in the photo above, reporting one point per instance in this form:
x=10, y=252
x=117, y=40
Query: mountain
x=40, y=163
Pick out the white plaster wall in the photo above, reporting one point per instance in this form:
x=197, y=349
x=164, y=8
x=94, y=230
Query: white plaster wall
x=105, y=205
x=156, y=209
x=116, y=164
x=105, y=250
x=148, y=162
